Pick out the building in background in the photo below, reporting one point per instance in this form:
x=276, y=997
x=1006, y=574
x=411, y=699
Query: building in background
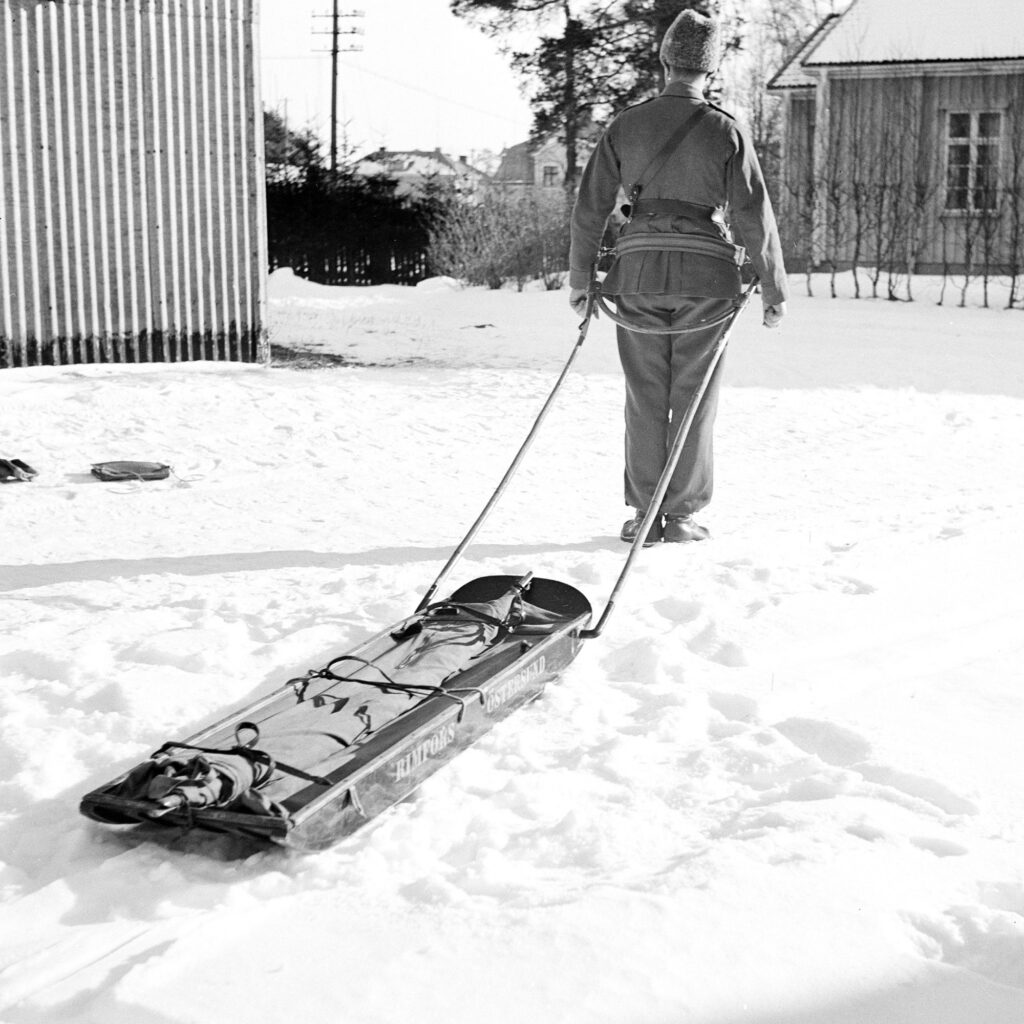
x=132, y=220
x=903, y=140
x=537, y=168
x=415, y=169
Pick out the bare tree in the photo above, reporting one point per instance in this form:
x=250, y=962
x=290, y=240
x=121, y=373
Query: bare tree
x=1013, y=196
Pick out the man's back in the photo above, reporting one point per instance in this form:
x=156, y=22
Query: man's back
x=696, y=171
x=715, y=166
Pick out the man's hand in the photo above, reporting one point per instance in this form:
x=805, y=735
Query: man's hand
x=773, y=314
x=578, y=300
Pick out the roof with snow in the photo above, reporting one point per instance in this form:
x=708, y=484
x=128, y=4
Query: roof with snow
x=884, y=31
x=419, y=161
x=516, y=164
x=909, y=31
x=792, y=75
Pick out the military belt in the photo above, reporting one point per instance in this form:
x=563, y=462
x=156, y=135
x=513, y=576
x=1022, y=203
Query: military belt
x=664, y=241
x=672, y=207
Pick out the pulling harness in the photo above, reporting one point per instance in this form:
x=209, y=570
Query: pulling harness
x=661, y=241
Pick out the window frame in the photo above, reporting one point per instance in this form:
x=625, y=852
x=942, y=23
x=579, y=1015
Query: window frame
x=544, y=175
x=973, y=140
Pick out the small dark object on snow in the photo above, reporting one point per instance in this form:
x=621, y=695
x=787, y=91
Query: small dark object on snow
x=129, y=470
x=12, y=470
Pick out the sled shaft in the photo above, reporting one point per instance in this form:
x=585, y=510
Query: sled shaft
x=654, y=508
x=520, y=455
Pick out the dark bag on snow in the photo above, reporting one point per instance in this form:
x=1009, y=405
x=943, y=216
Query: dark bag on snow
x=130, y=470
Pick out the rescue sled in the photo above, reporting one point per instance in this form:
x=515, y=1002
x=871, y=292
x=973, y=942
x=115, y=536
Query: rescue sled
x=311, y=762
x=314, y=760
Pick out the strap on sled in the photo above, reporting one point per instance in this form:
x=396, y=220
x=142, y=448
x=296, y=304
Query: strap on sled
x=387, y=682
x=248, y=750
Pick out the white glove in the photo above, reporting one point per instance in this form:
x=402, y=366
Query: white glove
x=578, y=300
x=773, y=314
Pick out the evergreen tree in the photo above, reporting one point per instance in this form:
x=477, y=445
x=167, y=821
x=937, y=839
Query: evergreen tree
x=559, y=103
x=603, y=57
x=290, y=155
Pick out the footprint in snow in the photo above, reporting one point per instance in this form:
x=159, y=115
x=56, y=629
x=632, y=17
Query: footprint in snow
x=939, y=847
x=734, y=706
x=843, y=748
x=830, y=743
x=677, y=609
x=708, y=645
x=917, y=787
x=851, y=585
x=1007, y=896
x=978, y=939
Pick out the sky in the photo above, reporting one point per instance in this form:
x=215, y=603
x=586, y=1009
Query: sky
x=424, y=78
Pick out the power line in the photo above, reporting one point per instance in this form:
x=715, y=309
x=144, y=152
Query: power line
x=336, y=33
x=434, y=95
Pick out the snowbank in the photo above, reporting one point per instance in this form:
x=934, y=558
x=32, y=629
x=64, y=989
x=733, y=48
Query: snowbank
x=783, y=788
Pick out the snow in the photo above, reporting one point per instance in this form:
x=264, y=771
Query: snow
x=872, y=31
x=782, y=788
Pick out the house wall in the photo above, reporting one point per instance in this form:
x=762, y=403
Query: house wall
x=796, y=188
x=132, y=221
x=875, y=175
x=551, y=154
x=881, y=170
x=962, y=238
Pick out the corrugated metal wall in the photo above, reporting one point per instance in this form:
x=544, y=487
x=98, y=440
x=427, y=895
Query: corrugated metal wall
x=132, y=219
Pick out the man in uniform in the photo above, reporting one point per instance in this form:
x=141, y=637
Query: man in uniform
x=707, y=186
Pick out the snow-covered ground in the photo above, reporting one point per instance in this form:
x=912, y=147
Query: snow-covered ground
x=784, y=787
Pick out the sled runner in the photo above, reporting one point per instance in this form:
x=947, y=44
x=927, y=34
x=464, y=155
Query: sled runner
x=312, y=761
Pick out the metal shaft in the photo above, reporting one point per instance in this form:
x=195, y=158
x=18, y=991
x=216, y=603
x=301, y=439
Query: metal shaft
x=510, y=472
x=654, y=508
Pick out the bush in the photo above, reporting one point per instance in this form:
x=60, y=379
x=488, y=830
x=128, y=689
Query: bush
x=502, y=236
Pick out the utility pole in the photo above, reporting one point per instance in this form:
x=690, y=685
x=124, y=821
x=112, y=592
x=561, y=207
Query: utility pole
x=336, y=32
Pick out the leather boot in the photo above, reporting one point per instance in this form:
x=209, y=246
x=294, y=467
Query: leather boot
x=683, y=530
x=631, y=527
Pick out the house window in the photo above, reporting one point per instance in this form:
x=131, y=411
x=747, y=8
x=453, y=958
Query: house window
x=972, y=161
x=549, y=178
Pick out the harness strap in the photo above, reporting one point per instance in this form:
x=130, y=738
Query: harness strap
x=672, y=207
x=653, y=241
x=672, y=143
x=617, y=318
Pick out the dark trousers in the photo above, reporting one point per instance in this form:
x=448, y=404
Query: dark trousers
x=663, y=372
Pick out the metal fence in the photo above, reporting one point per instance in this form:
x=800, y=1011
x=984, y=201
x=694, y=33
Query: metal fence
x=132, y=216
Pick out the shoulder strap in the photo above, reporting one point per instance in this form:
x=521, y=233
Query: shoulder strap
x=672, y=143
x=715, y=106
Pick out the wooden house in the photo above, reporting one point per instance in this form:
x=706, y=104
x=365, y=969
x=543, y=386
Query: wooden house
x=903, y=140
x=132, y=217
x=538, y=168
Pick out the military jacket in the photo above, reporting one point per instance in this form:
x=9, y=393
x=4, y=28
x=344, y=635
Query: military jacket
x=715, y=166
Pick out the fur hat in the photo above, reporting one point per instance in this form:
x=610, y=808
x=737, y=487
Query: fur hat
x=692, y=41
